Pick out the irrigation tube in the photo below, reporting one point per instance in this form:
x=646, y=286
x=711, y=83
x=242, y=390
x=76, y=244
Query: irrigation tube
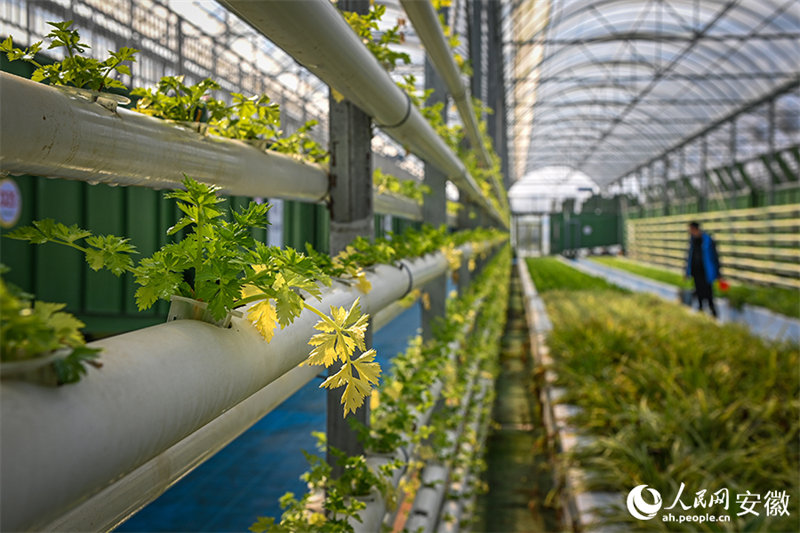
x=426, y=23
x=316, y=34
x=125, y=497
x=48, y=132
x=426, y=511
x=389, y=204
x=375, y=514
x=158, y=386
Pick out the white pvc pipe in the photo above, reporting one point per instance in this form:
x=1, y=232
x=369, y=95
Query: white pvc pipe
x=118, y=501
x=316, y=34
x=425, y=511
x=426, y=23
x=463, y=501
x=47, y=132
x=368, y=523
x=115, y=503
x=159, y=385
x=390, y=204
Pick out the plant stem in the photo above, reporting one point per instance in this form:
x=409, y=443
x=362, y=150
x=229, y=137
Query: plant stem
x=322, y=316
x=108, y=71
x=249, y=299
x=81, y=248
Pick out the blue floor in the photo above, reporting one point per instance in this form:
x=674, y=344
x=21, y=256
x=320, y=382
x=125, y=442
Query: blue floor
x=246, y=479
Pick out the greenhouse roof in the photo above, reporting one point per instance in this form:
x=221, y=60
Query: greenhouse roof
x=607, y=86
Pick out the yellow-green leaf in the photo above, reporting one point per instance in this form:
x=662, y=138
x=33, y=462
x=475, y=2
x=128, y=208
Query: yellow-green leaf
x=342, y=377
x=368, y=369
x=354, y=394
x=362, y=283
x=324, y=352
x=264, y=318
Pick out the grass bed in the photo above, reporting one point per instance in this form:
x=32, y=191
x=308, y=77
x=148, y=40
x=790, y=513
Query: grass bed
x=669, y=397
x=550, y=274
x=780, y=300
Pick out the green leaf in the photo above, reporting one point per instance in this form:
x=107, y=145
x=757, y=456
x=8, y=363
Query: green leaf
x=110, y=252
x=28, y=233
x=289, y=305
x=71, y=368
x=263, y=524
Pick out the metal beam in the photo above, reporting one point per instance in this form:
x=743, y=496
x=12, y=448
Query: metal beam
x=351, y=216
x=782, y=89
x=434, y=209
x=659, y=37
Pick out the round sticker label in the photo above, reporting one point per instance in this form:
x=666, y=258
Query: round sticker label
x=10, y=203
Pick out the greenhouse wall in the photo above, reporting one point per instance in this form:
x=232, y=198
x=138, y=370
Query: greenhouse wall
x=759, y=245
x=101, y=300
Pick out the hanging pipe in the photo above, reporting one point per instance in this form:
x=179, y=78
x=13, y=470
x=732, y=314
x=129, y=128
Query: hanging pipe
x=390, y=204
x=158, y=386
x=316, y=34
x=428, y=502
x=374, y=515
x=49, y=132
x=426, y=23
x=460, y=505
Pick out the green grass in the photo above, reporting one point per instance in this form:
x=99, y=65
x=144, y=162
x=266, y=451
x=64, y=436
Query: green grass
x=673, y=398
x=780, y=300
x=550, y=274
x=657, y=274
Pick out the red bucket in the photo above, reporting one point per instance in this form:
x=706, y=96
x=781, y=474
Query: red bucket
x=723, y=285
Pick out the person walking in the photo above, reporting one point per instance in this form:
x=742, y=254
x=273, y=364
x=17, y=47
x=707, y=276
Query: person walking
x=702, y=264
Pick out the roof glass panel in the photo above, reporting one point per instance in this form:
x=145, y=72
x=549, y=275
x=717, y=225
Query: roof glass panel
x=613, y=84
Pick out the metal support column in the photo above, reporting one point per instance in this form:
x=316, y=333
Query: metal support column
x=682, y=177
x=434, y=210
x=770, y=150
x=498, y=103
x=732, y=152
x=702, y=204
x=351, y=216
x=494, y=71
x=476, y=48
x=465, y=221
x=666, y=207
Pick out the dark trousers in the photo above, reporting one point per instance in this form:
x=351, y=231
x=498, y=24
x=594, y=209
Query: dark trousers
x=702, y=289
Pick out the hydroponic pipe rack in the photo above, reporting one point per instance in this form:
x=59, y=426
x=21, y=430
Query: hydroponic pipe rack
x=135, y=423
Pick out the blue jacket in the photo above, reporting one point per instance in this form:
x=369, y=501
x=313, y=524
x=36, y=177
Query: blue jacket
x=710, y=258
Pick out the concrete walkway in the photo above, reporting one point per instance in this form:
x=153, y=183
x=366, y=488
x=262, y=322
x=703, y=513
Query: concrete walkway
x=519, y=473
x=761, y=322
